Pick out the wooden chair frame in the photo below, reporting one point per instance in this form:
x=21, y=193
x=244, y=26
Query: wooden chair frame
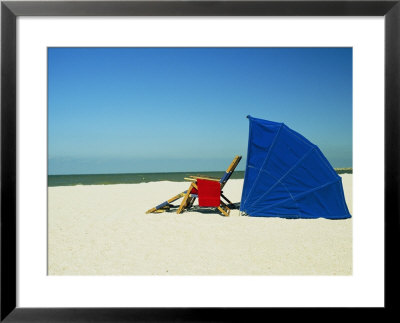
x=189, y=197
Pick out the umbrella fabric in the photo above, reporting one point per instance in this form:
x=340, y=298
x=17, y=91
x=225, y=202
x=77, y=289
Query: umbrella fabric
x=288, y=176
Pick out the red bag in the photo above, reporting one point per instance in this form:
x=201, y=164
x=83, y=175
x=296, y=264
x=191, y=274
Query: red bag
x=209, y=192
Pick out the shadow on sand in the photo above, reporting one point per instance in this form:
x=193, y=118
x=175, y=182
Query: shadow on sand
x=204, y=210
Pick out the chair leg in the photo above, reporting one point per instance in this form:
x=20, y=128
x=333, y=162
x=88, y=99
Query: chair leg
x=185, y=199
x=225, y=198
x=157, y=208
x=192, y=199
x=160, y=211
x=224, y=209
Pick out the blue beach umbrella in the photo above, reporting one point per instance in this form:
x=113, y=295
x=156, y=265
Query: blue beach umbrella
x=288, y=176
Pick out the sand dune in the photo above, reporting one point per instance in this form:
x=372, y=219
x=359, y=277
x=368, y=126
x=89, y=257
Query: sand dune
x=103, y=230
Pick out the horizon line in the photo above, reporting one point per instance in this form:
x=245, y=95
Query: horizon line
x=198, y=171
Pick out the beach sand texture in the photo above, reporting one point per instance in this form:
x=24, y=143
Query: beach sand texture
x=103, y=230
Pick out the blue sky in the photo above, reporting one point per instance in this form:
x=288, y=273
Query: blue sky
x=128, y=110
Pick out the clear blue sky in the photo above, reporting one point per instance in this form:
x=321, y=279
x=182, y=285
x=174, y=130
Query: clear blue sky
x=128, y=110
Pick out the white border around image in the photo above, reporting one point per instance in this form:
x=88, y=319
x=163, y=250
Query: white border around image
x=364, y=288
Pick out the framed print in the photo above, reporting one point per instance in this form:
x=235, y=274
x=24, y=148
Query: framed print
x=134, y=187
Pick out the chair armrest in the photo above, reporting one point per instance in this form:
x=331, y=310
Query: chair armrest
x=204, y=177
x=190, y=179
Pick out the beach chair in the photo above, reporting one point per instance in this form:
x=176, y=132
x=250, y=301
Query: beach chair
x=207, y=189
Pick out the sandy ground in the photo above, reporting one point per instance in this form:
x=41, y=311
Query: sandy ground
x=103, y=230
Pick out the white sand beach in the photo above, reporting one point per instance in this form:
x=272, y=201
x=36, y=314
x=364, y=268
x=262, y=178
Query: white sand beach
x=103, y=230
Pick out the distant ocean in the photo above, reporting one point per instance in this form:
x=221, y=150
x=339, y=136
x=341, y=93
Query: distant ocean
x=107, y=179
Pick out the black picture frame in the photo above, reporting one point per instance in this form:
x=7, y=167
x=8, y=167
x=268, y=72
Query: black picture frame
x=10, y=10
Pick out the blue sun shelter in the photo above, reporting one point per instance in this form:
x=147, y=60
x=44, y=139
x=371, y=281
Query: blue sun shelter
x=288, y=176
